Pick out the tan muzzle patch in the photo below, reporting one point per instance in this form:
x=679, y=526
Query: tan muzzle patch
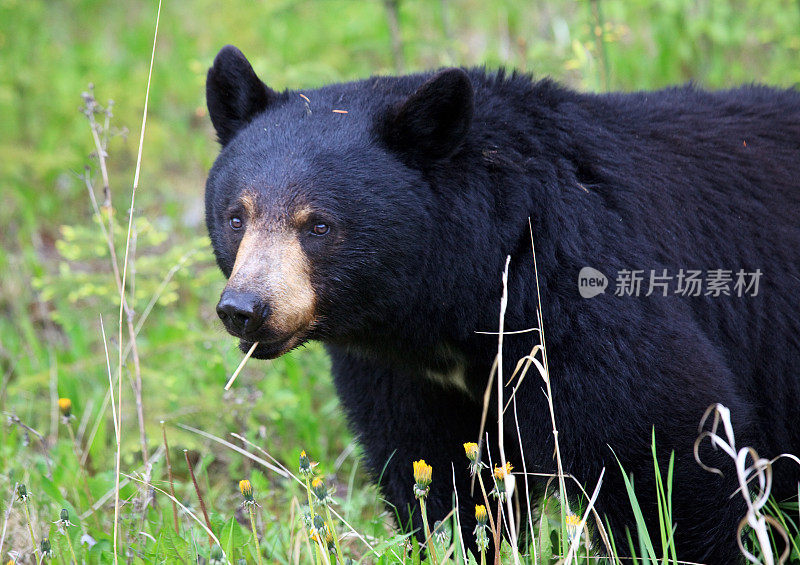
x=271, y=263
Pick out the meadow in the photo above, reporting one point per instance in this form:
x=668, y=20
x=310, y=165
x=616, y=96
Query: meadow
x=75, y=78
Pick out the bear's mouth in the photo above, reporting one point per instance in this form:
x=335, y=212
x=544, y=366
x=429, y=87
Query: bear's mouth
x=272, y=350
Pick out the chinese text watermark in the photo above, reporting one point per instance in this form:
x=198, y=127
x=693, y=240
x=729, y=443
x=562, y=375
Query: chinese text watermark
x=684, y=282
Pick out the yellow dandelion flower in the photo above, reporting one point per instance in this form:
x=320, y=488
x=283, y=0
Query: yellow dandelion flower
x=480, y=514
x=422, y=473
x=471, y=449
x=573, y=520
x=65, y=406
x=246, y=489
x=502, y=472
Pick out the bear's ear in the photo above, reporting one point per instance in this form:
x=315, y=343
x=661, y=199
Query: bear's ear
x=432, y=122
x=234, y=94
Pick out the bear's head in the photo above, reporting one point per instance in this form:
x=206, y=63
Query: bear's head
x=318, y=206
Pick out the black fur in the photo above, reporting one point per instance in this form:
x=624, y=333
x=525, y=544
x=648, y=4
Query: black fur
x=428, y=182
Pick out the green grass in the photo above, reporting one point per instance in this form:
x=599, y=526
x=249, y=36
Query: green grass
x=56, y=281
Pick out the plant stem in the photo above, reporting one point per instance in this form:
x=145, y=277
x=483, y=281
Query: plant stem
x=84, y=479
x=495, y=535
x=199, y=494
x=340, y=555
x=71, y=551
x=255, y=533
x=428, y=539
x=318, y=557
x=30, y=526
x=169, y=474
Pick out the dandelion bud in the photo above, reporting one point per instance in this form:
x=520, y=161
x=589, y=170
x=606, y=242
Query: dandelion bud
x=65, y=406
x=471, y=449
x=319, y=522
x=441, y=533
x=502, y=472
x=422, y=478
x=64, y=516
x=320, y=491
x=46, y=550
x=422, y=473
x=473, y=454
x=480, y=514
x=22, y=492
x=318, y=529
x=305, y=464
x=246, y=489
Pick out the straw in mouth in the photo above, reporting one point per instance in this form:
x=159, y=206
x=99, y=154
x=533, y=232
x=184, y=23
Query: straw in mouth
x=241, y=366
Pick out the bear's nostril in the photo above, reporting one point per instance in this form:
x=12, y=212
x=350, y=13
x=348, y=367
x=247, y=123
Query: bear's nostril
x=239, y=311
x=241, y=319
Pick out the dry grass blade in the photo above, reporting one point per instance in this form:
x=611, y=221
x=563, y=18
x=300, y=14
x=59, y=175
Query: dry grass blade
x=512, y=530
x=7, y=514
x=138, y=387
x=117, y=415
x=241, y=366
x=562, y=487
x=525, y=476
x=484, y=414
x=237, y=449
x=458, y=515
x=107, y=496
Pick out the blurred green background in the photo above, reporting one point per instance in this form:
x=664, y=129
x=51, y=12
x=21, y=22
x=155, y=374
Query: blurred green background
x=55, y=278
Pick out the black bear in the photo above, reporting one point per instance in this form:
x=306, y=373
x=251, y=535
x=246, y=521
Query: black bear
x=376, y=216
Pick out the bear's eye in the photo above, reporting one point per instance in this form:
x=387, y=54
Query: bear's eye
x=320, y=229
x=236, y=223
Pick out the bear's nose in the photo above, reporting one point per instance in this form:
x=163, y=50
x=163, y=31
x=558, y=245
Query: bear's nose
x=241, y=312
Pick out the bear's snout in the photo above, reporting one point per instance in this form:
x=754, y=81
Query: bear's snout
x=243, y=313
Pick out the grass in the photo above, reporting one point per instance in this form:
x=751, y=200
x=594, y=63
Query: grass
x=79, y=246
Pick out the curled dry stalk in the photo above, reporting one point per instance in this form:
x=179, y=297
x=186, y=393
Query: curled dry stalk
x=750, y=468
